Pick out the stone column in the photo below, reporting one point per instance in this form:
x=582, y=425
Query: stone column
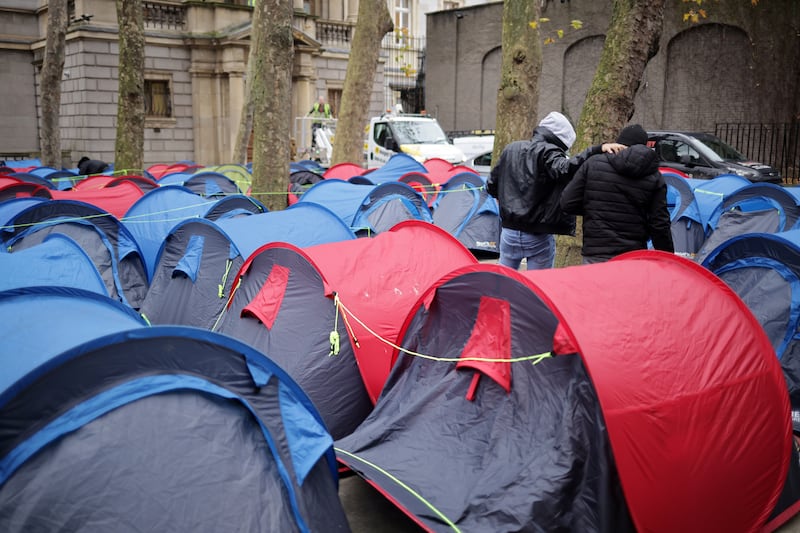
x=352, y=11
x=233, y=64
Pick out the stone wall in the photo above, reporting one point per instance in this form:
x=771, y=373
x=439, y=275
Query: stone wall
x=738, y=65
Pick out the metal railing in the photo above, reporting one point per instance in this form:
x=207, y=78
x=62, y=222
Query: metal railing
x=777, y=144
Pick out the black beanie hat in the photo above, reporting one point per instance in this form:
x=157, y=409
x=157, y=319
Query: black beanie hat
x=633, y=134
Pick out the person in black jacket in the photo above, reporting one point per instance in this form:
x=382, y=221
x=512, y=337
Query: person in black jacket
x=623, y=200
x=527, y=182
x=88, y=166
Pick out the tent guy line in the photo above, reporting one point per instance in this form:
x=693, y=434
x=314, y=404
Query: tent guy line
x=411, y=491
x=536, y=358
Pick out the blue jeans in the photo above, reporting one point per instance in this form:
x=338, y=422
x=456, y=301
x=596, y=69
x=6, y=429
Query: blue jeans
x=538, y=249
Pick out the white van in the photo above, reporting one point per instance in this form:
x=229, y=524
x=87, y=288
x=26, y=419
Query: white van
x=419, y=136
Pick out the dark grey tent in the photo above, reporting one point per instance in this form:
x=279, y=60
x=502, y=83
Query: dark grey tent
x=464, y=209
x=105, y=239
x=152, y=429
x=198, y=261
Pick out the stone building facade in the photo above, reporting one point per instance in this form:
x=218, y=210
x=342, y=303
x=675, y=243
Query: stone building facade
x=195, y=65
x=741, y=64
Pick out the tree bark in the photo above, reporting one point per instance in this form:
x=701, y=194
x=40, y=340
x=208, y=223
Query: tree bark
x=271, y=91
x=246, y=122
x=373, y=23
x=52, y=71
x=518, y=94
x=631, y=42
x=129, y=147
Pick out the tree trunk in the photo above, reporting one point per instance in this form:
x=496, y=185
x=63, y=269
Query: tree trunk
x=373, y=23
x=52, y=70
x=246, y=122
x=129, y=148
x=631, y=42
x=271, y=92
x=518, y=94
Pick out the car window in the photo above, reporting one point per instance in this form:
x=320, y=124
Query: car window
x=484, y=160
x=672, y=150
x=724, y=150
x=380, y=132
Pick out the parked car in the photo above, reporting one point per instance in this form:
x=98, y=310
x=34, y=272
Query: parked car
x=703, y=156
x=481, y=162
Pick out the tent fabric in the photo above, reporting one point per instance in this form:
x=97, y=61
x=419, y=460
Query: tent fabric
x=56, y=261
x=421, y=183
x=387, y=205
x=341, y=197
x=114, y=427
x=238, y=173
x=23, y=190
x=32, y=178
x=82, y=316
x=10, y=208
x=376, y=279
x=674, y=400
x=152, y=217
x=763, y=269
x=688, y=230
x=710, y=194
x=343, y=171
x=103, y=237
x=115, y=200
x=754, y=208
x=204, y=183
x=396, y=166
x=464, y=209
x=197, y=264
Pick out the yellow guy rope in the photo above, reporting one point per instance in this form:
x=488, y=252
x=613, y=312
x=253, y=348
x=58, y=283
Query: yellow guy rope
x=534, y=359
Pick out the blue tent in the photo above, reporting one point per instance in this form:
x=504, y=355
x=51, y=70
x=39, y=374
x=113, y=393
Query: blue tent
x=199, y=260
x=153, y=215
x=754, y=208
x=764, y=270
x=688, y=231
x=132, y=428
x=388, y=204
x=341, y=197
x=56, y=261
x=464, y=209
x=710, y=194
x=10, y=208
x=396, y=166
x=109, y=244
x=205, y=183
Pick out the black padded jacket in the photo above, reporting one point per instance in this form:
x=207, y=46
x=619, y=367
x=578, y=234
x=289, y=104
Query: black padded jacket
x=623, y=200
x=527, y=182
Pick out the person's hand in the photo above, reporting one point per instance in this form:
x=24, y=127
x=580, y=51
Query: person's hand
x=613, y=148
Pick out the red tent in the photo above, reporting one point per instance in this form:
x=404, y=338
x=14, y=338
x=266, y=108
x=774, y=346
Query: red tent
x=692, y=395
x=284, y=305
x=116, y=200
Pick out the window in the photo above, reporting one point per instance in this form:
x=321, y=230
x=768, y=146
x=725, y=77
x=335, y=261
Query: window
x=157, y=98
x=402, y=15
x=451, y=4
x=335, y=100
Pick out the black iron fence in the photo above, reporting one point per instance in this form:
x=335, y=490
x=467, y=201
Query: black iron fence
x=777, y=144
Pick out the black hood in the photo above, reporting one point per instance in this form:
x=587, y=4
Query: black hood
x=634, y=162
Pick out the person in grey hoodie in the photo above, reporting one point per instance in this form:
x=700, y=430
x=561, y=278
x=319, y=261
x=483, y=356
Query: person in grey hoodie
x=623, y=200
x=527, y=182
